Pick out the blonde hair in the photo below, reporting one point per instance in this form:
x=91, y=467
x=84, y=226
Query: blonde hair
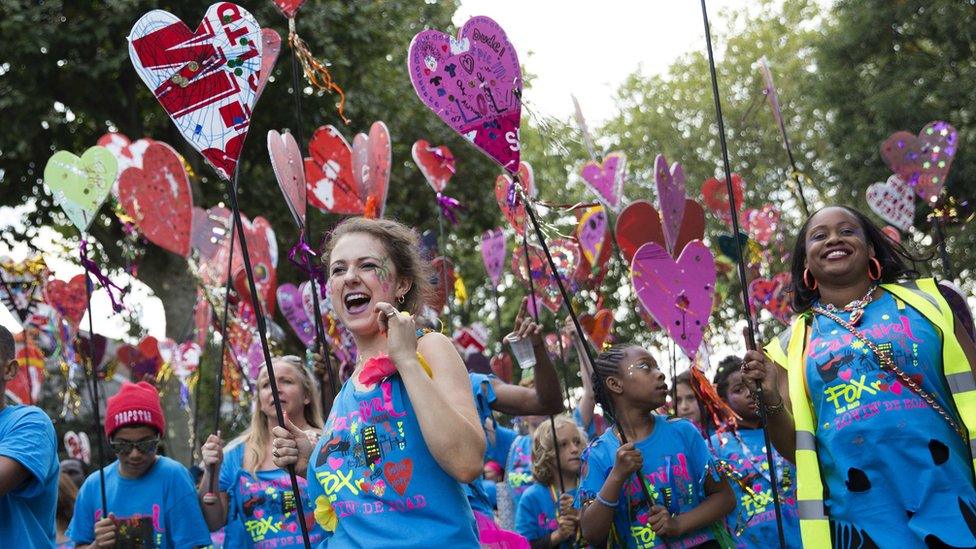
x=403, y=247
x=257, y=437
x=544, y=451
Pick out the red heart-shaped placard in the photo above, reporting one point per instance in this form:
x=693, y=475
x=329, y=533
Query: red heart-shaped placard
x=640, y=223
x=69, y=299
x=158, y=197
x=715, y=195
x=443, y=281
x=598, y=326
x=436, y=163
x=505, y=195
x=262, y=248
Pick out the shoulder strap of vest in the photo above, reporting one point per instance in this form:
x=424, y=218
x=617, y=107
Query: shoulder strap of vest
x=923, y=294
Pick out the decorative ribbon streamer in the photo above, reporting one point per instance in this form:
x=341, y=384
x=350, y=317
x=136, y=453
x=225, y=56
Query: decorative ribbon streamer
x=449, y=206
x=102, y=279
x=298, y=258
x=512, y=195
x=315, y=71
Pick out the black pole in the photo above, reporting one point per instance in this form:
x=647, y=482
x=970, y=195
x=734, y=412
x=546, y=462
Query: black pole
x=321, y=343
x=740, y=261
x=93, y=389
x=262, y=333
x=498, y=312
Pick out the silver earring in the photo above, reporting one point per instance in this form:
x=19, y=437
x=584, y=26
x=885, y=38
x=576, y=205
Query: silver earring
x=401, y=299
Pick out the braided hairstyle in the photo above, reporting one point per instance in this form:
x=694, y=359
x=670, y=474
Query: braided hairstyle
x=607, y=364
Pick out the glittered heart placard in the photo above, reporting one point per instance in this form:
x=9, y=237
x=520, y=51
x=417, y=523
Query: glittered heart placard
x=493, y=252
x=893, y=201
x=670, y=184
x=677, y=294
x=206, y=80
x=474, y=84
x=289, y=170
x=923, y=161
x=80, y=185
x=606, y=178
x=640, y=223
x=68, y=299
x=511, y=204
x=158, y=197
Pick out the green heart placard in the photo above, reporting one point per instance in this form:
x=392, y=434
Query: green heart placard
x=80, y=185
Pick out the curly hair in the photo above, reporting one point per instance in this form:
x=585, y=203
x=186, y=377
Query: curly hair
x=403, y=247
x=892, y=256
x=544, y=451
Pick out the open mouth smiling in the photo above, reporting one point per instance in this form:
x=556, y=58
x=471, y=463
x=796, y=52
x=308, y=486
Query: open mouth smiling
x=356, y=302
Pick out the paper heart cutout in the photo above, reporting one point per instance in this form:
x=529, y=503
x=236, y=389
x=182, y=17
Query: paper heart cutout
x=591, y=232
x=543, y=283
x=493, y=253
x=269, y=56
x=289, y=8
x=78, y=446
x=68, y=299
x=207, y=80
x=762, y=223
x=922, y=161
x=505, y=194
x=677, y=294
x=80, y=185
x=606, y=178
x=436, y=163
x=263, y=250
x=640, y=223
x=289, y=170
x=893, y=201
x=158, y=197
x=474, y=84
x=771, y=294
x=290, y=303
x=670, y=185
x=443, y=281
x=142, y=360
x=127, y=153
x=328, y=174
x=597, y=326
x=715, y=195
x=371, y=159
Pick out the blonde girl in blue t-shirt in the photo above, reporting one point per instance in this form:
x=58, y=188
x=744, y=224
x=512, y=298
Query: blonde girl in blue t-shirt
x=688, y=500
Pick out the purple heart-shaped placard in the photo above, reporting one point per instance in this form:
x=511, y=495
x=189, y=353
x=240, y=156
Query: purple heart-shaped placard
x=607, y=178
x=493, y=252
x=923, y=161
x=290, y=303
x=671, y=197
x=677, y=294
x=473, y=83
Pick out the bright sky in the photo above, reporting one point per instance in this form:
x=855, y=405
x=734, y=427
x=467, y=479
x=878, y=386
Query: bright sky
x=572, y=47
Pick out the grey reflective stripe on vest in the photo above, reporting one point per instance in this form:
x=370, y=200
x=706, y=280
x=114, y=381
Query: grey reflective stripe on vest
x=810, y=509
x=961, y=382
x=784, y=339
x=972, y=446
x=805, y=440
x=913, y=286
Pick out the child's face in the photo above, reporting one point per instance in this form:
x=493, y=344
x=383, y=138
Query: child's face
x=570, y=447
x=740, y=399
x=643, y=383
x=136, y=449
x=492, y=474
x=687, y=406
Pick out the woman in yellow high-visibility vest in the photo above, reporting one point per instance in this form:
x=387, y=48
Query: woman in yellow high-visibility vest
x=871, y=393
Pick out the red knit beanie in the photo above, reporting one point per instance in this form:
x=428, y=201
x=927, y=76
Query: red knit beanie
x=134, y=404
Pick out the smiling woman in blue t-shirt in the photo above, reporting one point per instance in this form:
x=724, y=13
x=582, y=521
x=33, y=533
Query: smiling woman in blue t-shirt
x=403, y=433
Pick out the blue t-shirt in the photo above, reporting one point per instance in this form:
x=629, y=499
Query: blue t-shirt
x=894, y=470
x=753, y=521
x=373, y=473
x=504, y=437
x=484, y=396
x=159, y=509
x=676, y=461
x=261, y=511
x=536, y=514
x=27, y=512
x=594, y=428
x=518, y=467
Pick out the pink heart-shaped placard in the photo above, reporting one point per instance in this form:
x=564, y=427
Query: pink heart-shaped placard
x=606, y=178
x=474, y=84
x=206, y=80
x=436, y=163
x=371, y=159
x=290, y=303
x=158, y=197
x=923, y=162
x=893, y=201
x=671, y=199
x=762, y=223
x=493, y=252
x=505, y=195
x=677, y=294
x=286, y=161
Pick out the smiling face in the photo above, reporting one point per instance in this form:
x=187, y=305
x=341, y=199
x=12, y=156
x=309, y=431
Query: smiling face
x=361, y=274
x=291, y=391
x=687, y=404
x=837, y=249
x=639, y=381
x=570, y=447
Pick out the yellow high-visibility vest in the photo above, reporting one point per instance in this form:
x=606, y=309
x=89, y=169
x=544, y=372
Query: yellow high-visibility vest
x=788, y=350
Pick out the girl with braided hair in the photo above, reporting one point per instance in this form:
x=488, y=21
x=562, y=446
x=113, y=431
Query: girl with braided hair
x=688, y=498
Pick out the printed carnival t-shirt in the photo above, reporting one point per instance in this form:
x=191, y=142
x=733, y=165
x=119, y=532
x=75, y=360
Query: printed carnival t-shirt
x=159, y=509
x=484, y=396
x=518, y=467
x=676, y=461
x=27, y=512
x=261, y=511
x=753, y=521
x=374, y=482
x=536, y=514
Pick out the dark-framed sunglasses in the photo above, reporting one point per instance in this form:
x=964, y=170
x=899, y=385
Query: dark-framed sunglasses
x=124, y=447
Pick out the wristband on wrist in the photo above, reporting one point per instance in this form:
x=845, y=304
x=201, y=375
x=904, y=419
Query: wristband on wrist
x=610, y=504
x=775, y=408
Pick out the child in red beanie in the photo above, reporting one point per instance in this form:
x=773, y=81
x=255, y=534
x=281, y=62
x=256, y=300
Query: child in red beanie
x=151, y=501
